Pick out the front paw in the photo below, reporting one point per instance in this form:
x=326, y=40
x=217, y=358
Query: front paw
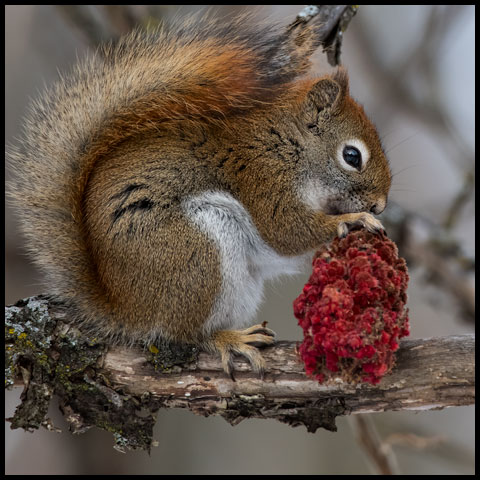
x=362, y=219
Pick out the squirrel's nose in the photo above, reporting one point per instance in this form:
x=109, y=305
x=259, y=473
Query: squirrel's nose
x=379, y=206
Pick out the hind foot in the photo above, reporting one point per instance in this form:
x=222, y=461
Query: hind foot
x=242, y=342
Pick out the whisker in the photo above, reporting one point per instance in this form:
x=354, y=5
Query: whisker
x=408, y=167
x=385, y=135
x=402, y=141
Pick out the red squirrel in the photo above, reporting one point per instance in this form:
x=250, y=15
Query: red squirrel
x=163, y=180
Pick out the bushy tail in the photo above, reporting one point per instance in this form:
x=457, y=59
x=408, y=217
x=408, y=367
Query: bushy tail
x=196, y=70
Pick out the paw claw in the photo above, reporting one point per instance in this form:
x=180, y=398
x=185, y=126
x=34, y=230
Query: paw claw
x=260, y=331
x=245, y=343
x=342, y=230
x=363, y=219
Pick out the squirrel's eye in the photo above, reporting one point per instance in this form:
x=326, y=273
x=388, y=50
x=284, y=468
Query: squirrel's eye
x=352, y=157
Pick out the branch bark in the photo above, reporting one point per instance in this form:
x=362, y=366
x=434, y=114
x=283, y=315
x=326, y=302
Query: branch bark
x=121, y=389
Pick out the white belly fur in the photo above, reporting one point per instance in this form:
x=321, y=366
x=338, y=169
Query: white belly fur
x=246, y=260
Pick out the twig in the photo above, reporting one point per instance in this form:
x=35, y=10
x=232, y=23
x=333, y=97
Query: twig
x=384, y=459
x=456, y=284
x=331, y=22
x=412, y=440
x=108, y=386
x=445, y=265
x=461, y=198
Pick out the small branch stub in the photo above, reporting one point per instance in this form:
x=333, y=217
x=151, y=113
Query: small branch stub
x=331, y=23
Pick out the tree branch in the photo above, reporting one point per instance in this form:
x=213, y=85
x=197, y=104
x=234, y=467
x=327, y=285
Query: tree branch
x=121, y=389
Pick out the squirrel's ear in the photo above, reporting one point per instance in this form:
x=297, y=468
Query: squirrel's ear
x=329, y=92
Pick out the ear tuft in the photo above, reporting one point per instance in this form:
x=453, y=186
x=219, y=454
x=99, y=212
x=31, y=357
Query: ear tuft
x=340, y=75
x=330, y=91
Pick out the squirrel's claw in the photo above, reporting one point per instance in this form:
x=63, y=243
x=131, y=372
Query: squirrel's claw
x=245, y=343
x=362, y=219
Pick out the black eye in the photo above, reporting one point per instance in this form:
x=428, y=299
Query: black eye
x=353, y=157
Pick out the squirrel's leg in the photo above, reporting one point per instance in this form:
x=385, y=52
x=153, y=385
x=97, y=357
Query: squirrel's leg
x=301, y=229
x=241, y=342
x=327, y=226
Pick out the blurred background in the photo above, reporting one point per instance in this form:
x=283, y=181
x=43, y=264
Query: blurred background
x=412, y=67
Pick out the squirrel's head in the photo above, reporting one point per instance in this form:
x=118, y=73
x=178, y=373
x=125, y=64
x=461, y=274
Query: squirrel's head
x=343, y=166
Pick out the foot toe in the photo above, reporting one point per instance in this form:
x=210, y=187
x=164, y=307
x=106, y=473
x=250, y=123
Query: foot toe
x=244, y=343
x=258, y=339
x=258, y=329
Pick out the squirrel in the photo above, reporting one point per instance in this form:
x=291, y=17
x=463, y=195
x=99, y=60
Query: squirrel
x=163, y=180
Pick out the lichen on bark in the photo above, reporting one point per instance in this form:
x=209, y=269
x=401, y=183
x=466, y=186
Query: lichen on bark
x=53, y=357
x=168, y=357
